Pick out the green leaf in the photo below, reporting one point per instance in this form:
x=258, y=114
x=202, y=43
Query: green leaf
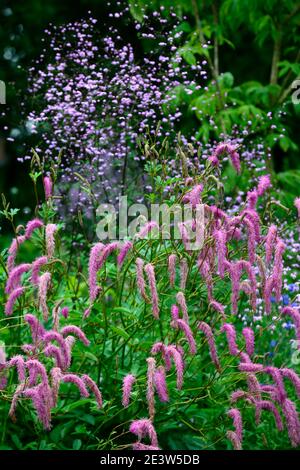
x=77, y=444
x=120, y=332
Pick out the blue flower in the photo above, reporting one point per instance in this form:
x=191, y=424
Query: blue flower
x=291, y=287
x=273, y=343
x=273, y=300
x=285, y=299
x=289, y=325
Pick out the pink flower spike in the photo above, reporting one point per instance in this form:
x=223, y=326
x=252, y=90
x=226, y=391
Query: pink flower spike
x=65, y=312
x=180, y=297
x=172, y=268
x=264, y=183
x=31, y=226
x=37, y=329
x=270, y=242
x=15, y=294
x=13, y=251
x=149, y=270
x=206, y=329
x=140, y=278
x=172, y=351
x=76, y=331
x=144, y=428
x=232, y=436
x=295, y=315
x=74, y=379
x=94, y=389
x=125, y=248
x=44, y=283
x=292, y=421
x=293, y=377
x=184, y=327
x=93, y=269
x=248, y=334
x=150, y=386
x=297, y=205
x=128, y=382
x=36, y=266
x=235, y=414
x=229, y=329
x=15, y=275
x=146, y=229
x=50, y=242
x=175, y=312
x=220, y=237
x=160, y=384
x=250, y=367
x=193, y=197
x=184, y=268
x=19, y=363
x=48, y=187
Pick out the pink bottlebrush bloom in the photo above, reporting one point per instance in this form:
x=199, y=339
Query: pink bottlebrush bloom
x=128, y=382
x=147, y=228
x=244, y=357
x=297, y=205
x=44, y=283
x=180, y=297
x=125, y=248
x=18, y=362
x=48, y=187
x=53, y=351
x=65, y=312
x=229, y=329
x=2, y=357
x=140, y=278
x=276, y=376
x=55, y=383
x=295, y=315
x=172, y=268
x=184, y=268
x=15, y=275
x=235, y=271
x=268, y=405
x=232, y=436
x=235, y=159
x=157, y=347
x=175, y=312
x=160, y=384
x=18, y=392
x=293, y=377
x=262, y=272
x=292, y=421
x=248, y=334
x=36, y=368
x=251, y=239
x=106, y=252
x=220, y=238
x=76, y=331
x=270, y=242
x=55, y=336
x=150, y=386
x=250, y=367
x=264, y=183
x=193, y=197
x=144, y=447
x=15, y=294
x=37, y=329
x=253, y=216
x=237, y=395
x=184, y=233
x=36, y=266
x=94, y=389
x=269, y=286
x=31, y=226
x=50, y=241
x=13, y=251
x=55, y=316
x=149, y=270
x=144, y=428
x=206, y=329
x=40, y=398
x=213, y=159
x=252, y=197
x=278, y=269
x=93, y=269
x=235, y=414
x=246, y=265
x=184, y=327
x=173, y=353
x=74, y=379
x=217, y=307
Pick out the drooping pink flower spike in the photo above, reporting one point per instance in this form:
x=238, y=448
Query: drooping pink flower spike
x=171, y=351
x=184, y=268
x=90, y=384
x=220, y=238
x=76, y=331
x=151, y=386
x=146, y=229
x=13, y=251
x=235, y=414
x=180, y=297
x=292, y=421
x=36, y=267
x=264, y=183
x=193, y=197
x=206, y=329
x=128, y=382
x=93, y=270
x=144, y=428
x=230, y=332
x=74, y=379
x=124, y=249
x=270, y=242
x=293, y=377
x=184, y=327
x=295, y=315
x=31, y=226
x=297, y=205
x=14, y=277
x=44, y=284
x=14, y=295
x=232, y=436
x=149, y=270
x=161, y=384
x=140, y=278
x=36, y=328
x=48, y=187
